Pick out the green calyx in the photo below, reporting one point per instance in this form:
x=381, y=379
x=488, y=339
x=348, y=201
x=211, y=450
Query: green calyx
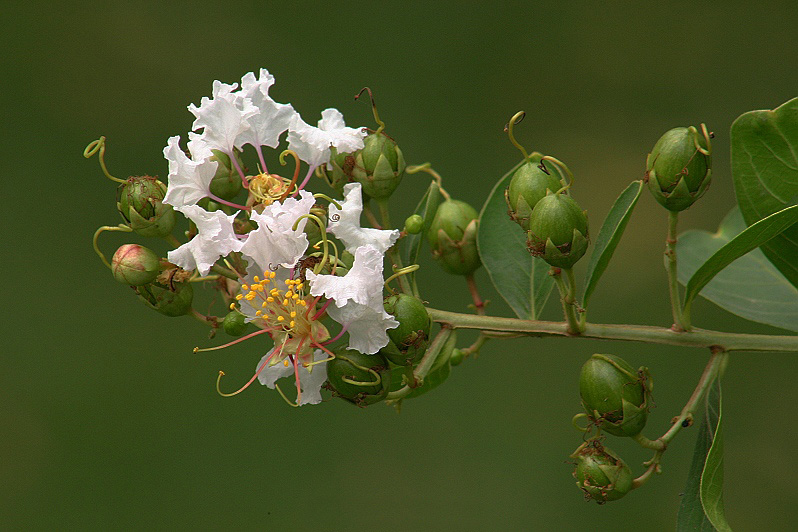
x=528, y=186
x=358, y=378
x=408, y=341
x=679, y=167
x=140, y=202
x=600, y=473
x=226, y=182
x=135, y=265
x=234, y=323
x=615, y=397
x=171, y=300
x=452, y=235
x=379, y=167
x=558, y=230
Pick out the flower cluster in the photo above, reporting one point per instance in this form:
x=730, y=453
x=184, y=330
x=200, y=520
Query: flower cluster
x=289, y=286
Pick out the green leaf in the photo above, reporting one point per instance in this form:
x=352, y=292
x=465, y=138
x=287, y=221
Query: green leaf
x=750, y=287
x=712, y=473
x=610, y=235
x=426, y=209
x=692, y=515
x=522, y=280
x=748, y=240
x=765, y=169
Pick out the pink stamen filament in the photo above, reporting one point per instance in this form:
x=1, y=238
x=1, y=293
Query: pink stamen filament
x=225, y=202
x=234, y=342
x=238, y=168
x=304, y=181
x=337, y=336
x=259, y=149
x=321, y=346
x=322, y=310
x=255, y=376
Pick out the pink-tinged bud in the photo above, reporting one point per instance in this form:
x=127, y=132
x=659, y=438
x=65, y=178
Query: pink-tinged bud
x=135, y=265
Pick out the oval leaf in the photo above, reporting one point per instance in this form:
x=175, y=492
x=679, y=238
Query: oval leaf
x=609, y=236
x=765, y=170
x=691, y=510
x=748, y=240
x=751, y=287
x=522, y=280
x=712, y=473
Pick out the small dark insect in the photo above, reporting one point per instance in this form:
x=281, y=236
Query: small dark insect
x=306, y=264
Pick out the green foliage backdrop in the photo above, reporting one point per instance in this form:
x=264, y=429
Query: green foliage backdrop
x=109, y=421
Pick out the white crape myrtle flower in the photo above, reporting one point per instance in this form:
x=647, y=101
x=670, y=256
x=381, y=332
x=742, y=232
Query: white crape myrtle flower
x=310, y=378
x=189, y=179
x=273, y=118
x=223, y=117
x=357, y=300
x=216, y=238
x=312, y=144
x=345, y=223
x=275, y=242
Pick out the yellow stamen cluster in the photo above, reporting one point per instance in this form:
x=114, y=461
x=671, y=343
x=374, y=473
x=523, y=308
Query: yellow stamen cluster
x=279, y=309
x=268, y=188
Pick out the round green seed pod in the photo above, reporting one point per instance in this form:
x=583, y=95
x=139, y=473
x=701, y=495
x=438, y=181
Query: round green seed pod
x=358, y=378
x=234, y=323
x=411, y=337
x=679, y=167
x=528, y=186
x=172, y=301
x=414, y=224
x=558, y=231
x=600, y=473
x=226, y=182
x=140, y=202
x=379, y=166
x=135, y=265
x=452, y=235
x=614, y=396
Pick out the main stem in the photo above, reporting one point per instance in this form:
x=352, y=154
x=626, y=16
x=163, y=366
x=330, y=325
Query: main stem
x=568, y=298
x=637, y=333
x=671, y=267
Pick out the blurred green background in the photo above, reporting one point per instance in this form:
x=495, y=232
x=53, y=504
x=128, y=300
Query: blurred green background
x=107, y=419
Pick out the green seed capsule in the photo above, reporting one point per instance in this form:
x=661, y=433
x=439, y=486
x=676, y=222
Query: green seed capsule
x=411, y=338
x=226, y=182
x=528, y=186
x=379, y=167
x=615, y=397
x=414, y=224
x=140, y=202
x=173, y=301
x=600, y=473
x=679, y=167
x=234, y=323
x=358, y=378
x=558, y=231
x=453, y=237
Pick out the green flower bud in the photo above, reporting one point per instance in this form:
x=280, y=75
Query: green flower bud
x=411, y=338
x=379, y=166
x=173, y=301
x=226, y=182
x=457, y=357
x=678, y=169
x=234, y=323
x=528, y=186
x=452, y=235
x=615, y=397
x=558, y=231
x=358, y=378
x=135, y=265
x=140, y=202
x=600, y=473
x=414, y=224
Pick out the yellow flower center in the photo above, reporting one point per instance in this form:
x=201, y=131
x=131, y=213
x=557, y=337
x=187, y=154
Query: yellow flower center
x=268, y=188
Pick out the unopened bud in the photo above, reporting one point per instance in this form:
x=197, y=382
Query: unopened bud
x=679, y=167
x=135, y=265
x=600, y=473
x=453, y=237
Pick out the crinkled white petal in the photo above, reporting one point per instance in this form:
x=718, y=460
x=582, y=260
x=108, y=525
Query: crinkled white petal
x=216, y=238
x=312, y=144
x=275, y=242
x=365, y=324
x=189, y=179
x=345, y=139
x=273, y=118
x=358, y=301
x=310, y=379
x=345, y=223
x=224, y=116
x=362, y=284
